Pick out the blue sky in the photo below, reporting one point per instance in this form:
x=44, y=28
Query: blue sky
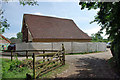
x=70, y=10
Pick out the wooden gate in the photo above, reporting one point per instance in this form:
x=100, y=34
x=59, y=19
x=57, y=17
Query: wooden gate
x=49, y=62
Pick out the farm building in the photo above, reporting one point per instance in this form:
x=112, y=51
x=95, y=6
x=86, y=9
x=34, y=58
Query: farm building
x=44, y=32
x=51, y=29
x=4, y=42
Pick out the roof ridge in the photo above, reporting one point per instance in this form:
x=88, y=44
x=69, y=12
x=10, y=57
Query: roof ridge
x=48, y=16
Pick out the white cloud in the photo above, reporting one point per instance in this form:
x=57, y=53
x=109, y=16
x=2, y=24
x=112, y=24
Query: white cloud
x=95, y=30
x=9, y=35
x=37, y=13
x=92, y=30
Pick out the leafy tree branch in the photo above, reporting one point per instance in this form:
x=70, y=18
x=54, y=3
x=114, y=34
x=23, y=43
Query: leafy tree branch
x=108, y=17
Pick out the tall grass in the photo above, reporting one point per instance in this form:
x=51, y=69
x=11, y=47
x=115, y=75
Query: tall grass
x=13, y=69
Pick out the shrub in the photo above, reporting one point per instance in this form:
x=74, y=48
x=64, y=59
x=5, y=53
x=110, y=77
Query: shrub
x=13, y=69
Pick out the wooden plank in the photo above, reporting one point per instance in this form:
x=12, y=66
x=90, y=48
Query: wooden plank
x=46, y=54
x=63, y=52
x=44, y=69
x=45, y=66
x=11, y=55
x=48, y=58
x=52, y=65
x=42, y=59
x=49, y=70
x=26, y=54
x=46, y=63
x=34, y=73
x=43, y=56
x=51, y=57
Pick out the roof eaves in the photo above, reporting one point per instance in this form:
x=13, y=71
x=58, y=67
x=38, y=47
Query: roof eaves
x=5, y=38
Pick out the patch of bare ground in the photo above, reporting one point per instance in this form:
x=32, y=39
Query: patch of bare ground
x=93, y=65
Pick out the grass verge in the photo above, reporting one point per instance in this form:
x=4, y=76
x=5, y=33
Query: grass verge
x=82, y=53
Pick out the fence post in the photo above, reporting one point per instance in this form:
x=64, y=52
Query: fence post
x=43, y=56
x=71, y=47
x=26, y=54
x=87, y=47
x=34, y=75
x=11, y=54
x=52, y=45
x=47, y=59
x=63, y=53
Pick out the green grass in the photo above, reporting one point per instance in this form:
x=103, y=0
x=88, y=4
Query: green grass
x=15, y=74
x=13, y=69
x=82, y=53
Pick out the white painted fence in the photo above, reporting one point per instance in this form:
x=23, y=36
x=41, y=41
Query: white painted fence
x=70, y=47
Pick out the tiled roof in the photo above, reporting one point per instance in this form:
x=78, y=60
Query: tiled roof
x=45, y=27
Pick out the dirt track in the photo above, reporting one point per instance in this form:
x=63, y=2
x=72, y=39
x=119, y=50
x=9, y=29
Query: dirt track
x=92, y=65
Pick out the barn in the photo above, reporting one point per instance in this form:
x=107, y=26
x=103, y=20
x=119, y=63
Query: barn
x=38, y=28
x=48, y=33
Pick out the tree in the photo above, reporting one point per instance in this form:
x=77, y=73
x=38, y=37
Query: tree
x=12, y=38
x=97, y=37
x=3, y=21
x=108, y=18
x=19, y=35
x=28, y=2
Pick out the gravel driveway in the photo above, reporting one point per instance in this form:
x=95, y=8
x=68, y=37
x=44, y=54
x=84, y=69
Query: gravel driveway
x=92, y=65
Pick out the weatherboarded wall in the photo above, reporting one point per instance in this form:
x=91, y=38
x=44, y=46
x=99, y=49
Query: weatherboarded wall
x=70, y=47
